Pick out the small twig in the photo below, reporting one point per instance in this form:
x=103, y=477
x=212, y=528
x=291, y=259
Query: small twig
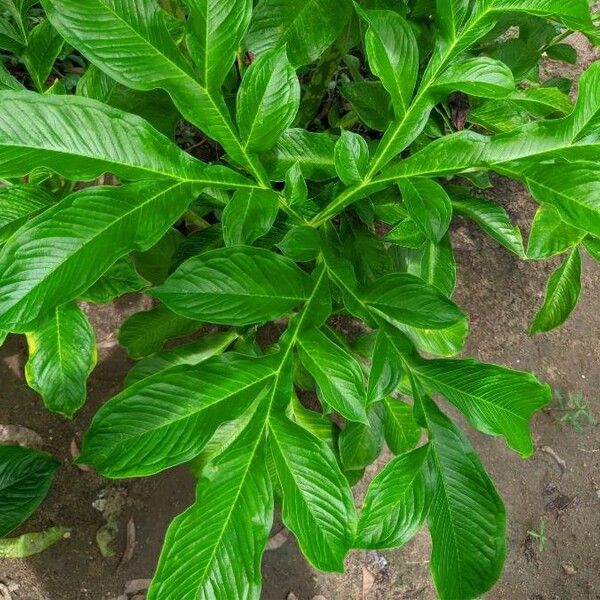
x=559, y=461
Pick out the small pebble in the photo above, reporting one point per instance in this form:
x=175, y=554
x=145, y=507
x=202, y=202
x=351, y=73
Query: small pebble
x=569, y=569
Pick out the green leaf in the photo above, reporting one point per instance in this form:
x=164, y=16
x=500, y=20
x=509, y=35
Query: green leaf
x=189, y=354
x=62, y=354
x=43, y=47
x=214, y=549
x=120, y=279
x=564, y=52
x=214, y=32
x=61, y=253
x=337, y=373
x=562, y=295
x=441, y=342
x=351, y=157
x=295, y=190
x=592, y=245
x=235, y=286
x=482, y=77
x=135, y=47
x=467, y=520
x=428, y=205
x=317, y=502
x=30, y=544
x=301, y=243
x=406, y=234
x=25, y=478
x=94, y=139
x=393, y=55
x=550, y=235
x=267, y=101
x=438, y=266
x=166, y=419
x=154, y=264
x=386, y=368
x=312, y=152
x=397, y=502
x=18, y=203
x=7, y=81
x=571, y=189
x=249, y=215
x=575, y=14
x=146, y=332
x=493, y=219
x=495, y=400
x=371, y=102
x=360, y=444
x=306, y=27
x=401, y=430
x=404, y=299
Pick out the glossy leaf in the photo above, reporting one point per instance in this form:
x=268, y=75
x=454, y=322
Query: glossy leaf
x=267, y=101
x=428, y=205
x=467, y=519
x=44, y=44
x=215, y=31
x=495, y=400
x=146, y=332
x=360, y=444
x=214, y=549
x=337, y=373
x=120, y=279
x=301, y=243
x=562, y=295
x=234, y=286
x=401, y=430
x=307, y=28
x=406, y=299
x=317, y=502
x=18, y=203
x=351, y=157
x=166, y=419
x=249, y=215
x=393, y=55
x=58, y=255
x=189, y=354
x=25, y=478
x=62, y=354
x=550, y=235
x=397, y=502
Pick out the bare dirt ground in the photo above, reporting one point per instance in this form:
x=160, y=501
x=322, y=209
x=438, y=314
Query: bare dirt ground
x=501, y=295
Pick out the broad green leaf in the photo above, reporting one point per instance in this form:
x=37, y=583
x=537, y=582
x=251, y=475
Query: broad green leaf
x=94, y=139
x=397, y=502
x=25, y=478
x=120, y=279
x=449, y=341
x=166, y=419
x=249, y=215
x=393, y=55
x=495, y=400
x=301, y=243
x=570, y=188
x=550, y=235
x=135, y=47
x=562, y=295
x=214, y=549
x=371, y=102
x=573, y=13
x=235, y=286
x=314, y=422
x=317, y=502
x=592, y=245
x=267, y=101
x=493, y=219
x=542, y=102
x=437, y=265
x=450, y=16
x=214, y=32
x=401, y=430
x=360, y=444
x=404, y=299
x=306, y=27
x=351, y=157
x=18, y=203
x=30, y=544
x=337, y=373
x=62, y=354
x=155, y=263
x=482, y=76
x=189, y=354
x=406, y=234
x=295, y=190
x=428, y=205
x=467, y=519
x=145, y=333
x=312, y=152
x=43, y=47
x=62, y=252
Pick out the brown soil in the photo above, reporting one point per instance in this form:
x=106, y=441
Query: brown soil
x=500, y=294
